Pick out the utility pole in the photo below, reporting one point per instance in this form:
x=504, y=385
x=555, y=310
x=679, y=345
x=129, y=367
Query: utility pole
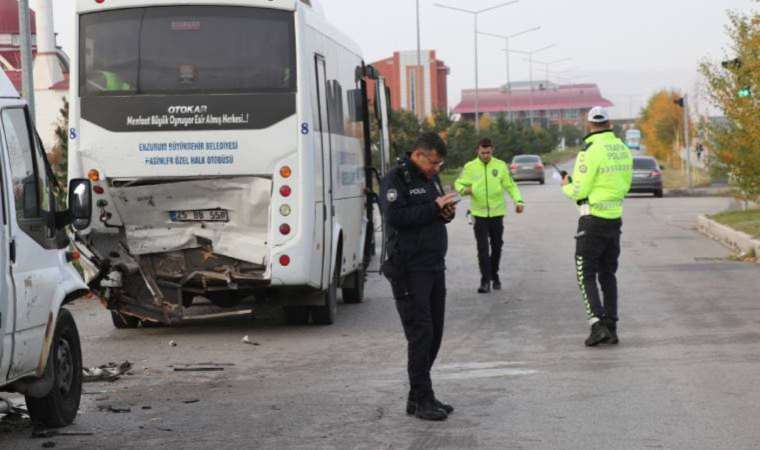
x=687, y=137
x=27, y=64
x=420, y=72
x=683, y=102
x=475, y=14
x=508, y=86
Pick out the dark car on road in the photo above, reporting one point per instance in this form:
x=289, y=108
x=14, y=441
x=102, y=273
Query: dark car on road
x=647, y=176
x=527, y=168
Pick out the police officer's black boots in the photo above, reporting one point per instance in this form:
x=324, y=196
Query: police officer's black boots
x=496, y=284
x=428, y=409
x=485, y=287
x=612, y=327
x=411, y=405
x=599, y=334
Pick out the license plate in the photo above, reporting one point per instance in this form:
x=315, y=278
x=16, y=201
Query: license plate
x=200, y=215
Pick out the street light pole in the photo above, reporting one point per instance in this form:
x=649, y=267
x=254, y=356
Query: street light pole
x=476, y=13
x=530, y=58
x=25, y=44
x=506, y=44
x=418, y=82
x=687, y=137
x=477, y=80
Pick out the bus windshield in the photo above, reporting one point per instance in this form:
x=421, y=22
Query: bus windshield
x=187, y=50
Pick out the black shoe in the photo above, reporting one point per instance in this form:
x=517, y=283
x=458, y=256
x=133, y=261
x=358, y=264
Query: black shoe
x=497, y=285
x=599, y=334
x=448, y=409
x=484, y=288
x=427, y=410
x=411, y=407
x=612, y=327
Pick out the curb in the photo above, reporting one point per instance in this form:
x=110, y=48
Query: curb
x=735, y=240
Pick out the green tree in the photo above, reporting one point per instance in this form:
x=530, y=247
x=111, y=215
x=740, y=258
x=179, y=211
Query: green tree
x=734, y=87
x=404, y=131
x=59, y=154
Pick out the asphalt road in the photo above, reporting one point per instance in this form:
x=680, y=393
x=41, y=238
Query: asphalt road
x=512, y=363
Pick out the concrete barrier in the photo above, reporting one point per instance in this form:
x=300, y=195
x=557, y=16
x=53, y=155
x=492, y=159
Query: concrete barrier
x=740, y=242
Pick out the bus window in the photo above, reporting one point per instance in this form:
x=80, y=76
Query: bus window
x=187, y=49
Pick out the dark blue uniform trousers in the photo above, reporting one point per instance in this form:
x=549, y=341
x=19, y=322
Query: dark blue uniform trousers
x=422, y=315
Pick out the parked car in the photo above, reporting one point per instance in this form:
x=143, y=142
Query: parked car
x=40, y=353
x=528, y=168
x=647, y=176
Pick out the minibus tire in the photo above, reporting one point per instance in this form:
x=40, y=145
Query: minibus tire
x=60, y=406
x=355, y=294
x=325, y=315
x=123, y=321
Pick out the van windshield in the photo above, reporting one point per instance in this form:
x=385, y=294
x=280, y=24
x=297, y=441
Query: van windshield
x=187, y=50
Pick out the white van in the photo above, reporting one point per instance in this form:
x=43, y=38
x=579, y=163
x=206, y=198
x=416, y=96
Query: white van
x=40, y=355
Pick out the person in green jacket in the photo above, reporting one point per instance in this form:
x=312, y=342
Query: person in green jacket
x=485, y=179
x=600, y=181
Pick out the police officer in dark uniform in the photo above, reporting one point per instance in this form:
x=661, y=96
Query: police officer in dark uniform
x=416, y=211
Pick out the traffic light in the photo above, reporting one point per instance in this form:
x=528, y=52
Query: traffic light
x=745, y=92
x=735, y=63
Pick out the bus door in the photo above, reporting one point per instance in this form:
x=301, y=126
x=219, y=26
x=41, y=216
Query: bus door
x=382, y=111
x=6, y=291
x=325, y=147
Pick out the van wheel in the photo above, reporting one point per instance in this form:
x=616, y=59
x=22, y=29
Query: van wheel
x=355, y=294
x=658, y=193
x=325, y=315
x=60, y=406
x=123, y=321
x=296, y=315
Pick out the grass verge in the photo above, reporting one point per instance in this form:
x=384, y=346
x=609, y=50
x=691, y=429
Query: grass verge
x=744, y=221
x=678, y=179
x=449, y=175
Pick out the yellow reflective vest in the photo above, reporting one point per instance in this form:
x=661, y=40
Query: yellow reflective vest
x=602, y=175
x=488, y=183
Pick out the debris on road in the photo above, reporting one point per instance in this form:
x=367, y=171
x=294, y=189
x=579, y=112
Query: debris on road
x=172, y=344
x=53, y=433
x=107, y=372
x=115, y=409
x=199, y=369
x=188, y=402
x=247, y=340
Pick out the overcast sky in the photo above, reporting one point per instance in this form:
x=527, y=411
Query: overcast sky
x=629, y=48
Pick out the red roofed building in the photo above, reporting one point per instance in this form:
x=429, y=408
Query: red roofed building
x=546, y=103
x=51, y=65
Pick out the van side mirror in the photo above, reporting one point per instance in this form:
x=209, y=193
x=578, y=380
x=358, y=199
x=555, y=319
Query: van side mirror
x=80, y=203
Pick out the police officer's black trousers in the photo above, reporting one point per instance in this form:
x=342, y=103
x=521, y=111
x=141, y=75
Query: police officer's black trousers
x=422, y=313
x=596, y=258
x=489, y=235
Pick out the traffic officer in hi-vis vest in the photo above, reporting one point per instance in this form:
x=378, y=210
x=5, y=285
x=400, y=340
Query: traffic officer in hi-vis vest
x=600, y=181
x=485, y=179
